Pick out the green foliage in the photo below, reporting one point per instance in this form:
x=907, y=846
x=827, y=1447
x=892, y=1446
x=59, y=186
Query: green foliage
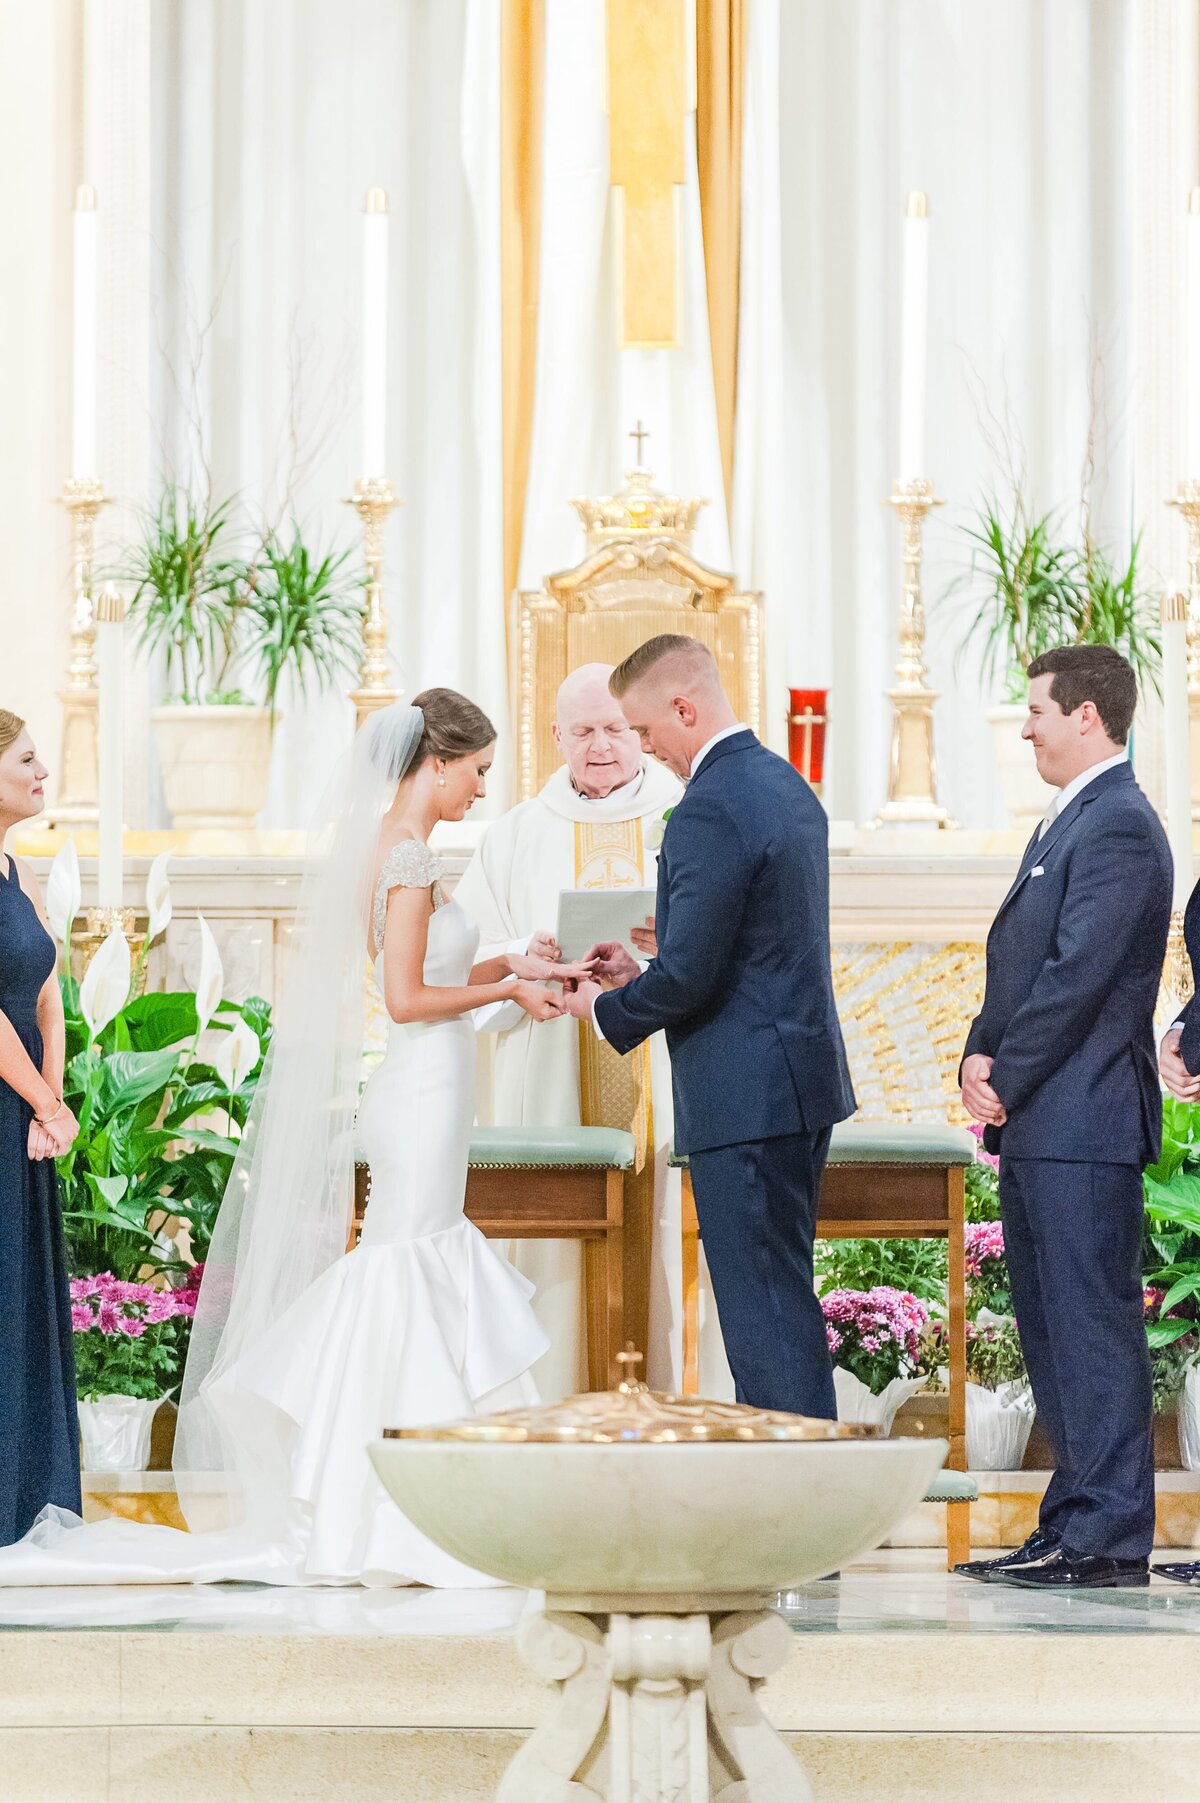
x=918, y=1266
x=146, y=1105
x=1033, y=587
x=304, y=614
x=994, y=1355
x=218, y=614
x=982, y=1193
x=184, y=601
x=111, y=1365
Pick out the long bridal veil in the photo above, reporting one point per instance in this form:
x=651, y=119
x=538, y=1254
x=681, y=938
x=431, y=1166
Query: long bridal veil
x=286, y=1213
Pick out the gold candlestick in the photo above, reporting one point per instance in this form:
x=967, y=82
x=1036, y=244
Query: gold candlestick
x=78, y=770
x=912, y=775
x=1187, y=500
x=373, y=500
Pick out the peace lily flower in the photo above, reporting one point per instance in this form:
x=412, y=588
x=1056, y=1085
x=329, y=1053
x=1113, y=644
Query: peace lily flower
x=210, y=984
x=64, y=892
x=105, y=989
x=158, y=897
x=236, y=1055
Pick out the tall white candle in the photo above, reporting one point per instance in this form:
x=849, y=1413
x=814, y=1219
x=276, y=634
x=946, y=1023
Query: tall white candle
x=1192, y=301
x=1176, y=747
x=374, y=337
x=83, y=369
x=110, y=665
x=914, y=328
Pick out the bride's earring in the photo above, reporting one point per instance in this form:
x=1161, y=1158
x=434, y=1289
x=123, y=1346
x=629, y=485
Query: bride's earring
x=441, y=782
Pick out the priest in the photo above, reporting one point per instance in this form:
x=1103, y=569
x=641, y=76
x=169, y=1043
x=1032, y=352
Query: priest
x=597, y=823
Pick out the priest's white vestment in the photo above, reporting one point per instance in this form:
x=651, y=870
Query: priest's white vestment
x=560, y=840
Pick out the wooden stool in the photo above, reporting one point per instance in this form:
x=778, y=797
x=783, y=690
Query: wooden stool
x=555, y=1183
x=884, y=1180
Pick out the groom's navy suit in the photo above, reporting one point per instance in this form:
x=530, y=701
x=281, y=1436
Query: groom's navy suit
x=743, y=988
x=1074, y=963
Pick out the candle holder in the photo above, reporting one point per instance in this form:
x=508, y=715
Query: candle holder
x=373, y=500
x=79, y=763
x=808, y=718
x=912, y=775
x=99, y=923
x=1187, y=499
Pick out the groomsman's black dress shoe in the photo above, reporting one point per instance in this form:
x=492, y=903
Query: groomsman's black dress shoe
x=1078, y=1571
x=1039, y=1546
x=1188, y=1573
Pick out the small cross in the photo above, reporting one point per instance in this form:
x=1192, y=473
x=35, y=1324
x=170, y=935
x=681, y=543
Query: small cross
x=629, y=1360
x=637, y=435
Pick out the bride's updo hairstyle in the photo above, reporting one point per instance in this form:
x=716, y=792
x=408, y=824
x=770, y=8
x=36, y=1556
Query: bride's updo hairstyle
x=454, y=726
x=11, y=728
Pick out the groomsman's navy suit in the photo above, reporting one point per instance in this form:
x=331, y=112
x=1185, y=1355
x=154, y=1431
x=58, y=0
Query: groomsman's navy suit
x=743, y=988
x=1074, y=963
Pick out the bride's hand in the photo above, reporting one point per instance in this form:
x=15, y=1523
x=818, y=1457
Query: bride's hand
x=546, y=970
x=539, y=1003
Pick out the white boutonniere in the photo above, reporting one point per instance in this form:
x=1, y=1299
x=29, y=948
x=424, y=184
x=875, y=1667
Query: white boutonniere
x=656, y=831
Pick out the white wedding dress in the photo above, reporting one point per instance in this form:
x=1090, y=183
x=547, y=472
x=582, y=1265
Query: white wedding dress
x=423, y=1322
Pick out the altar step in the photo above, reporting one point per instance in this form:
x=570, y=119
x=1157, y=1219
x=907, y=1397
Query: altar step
x=903, y=1683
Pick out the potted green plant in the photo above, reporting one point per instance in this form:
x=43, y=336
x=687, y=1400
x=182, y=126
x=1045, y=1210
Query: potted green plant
x=874, y=1339
x=128, y=1355
x=1033, y=585
x=230, y=628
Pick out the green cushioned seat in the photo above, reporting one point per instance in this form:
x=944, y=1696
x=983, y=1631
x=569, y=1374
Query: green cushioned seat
x=894, y=1142
x=952, y=1486
x=604, y=1148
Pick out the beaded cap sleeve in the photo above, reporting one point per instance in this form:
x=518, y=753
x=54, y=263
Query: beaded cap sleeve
x=409, y=865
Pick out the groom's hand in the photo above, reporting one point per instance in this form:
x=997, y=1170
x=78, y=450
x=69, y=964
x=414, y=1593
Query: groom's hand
x=645, y=938
x=611, y=963
x=580, y=999
x=1176, y=1076
x=979, y=1098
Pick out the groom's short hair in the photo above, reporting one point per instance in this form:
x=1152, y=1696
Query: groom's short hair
x=688, y=654
x=1095, y=673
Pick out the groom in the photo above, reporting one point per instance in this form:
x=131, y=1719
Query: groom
x=742, y=985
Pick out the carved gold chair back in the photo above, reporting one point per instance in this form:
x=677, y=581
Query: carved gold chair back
x=624, y=592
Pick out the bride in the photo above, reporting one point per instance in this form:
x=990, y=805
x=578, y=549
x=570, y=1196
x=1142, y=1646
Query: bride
x=302, y=1352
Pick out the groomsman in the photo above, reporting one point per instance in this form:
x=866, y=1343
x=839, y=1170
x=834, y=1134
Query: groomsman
x=1060, y=1067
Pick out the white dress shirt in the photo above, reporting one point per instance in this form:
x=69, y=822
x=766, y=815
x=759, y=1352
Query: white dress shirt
x=726, y=732
x=1069, y=791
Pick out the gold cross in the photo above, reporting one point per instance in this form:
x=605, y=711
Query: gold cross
x=639, y=432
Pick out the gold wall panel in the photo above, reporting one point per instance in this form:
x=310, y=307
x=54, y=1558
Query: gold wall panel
x=905, y=1009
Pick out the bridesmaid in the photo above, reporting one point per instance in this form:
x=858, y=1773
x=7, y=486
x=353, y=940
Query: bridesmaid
x=39, y=1439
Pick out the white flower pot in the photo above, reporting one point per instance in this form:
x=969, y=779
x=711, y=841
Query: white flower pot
x=998, y=1426
x=1026, y=796
x=856, y=1403
x=1188, y=1420
x=215, y=763
x=115, y=1432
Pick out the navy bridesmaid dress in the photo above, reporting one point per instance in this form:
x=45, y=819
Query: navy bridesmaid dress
x=39, y=1436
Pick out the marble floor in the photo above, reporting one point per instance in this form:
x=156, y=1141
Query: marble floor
x=906, y=1590
x=216, y=1693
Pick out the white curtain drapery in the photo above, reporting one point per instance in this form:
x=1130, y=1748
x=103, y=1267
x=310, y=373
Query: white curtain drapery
x=1018, y=128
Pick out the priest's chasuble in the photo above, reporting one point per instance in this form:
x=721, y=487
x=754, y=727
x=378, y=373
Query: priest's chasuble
x=562, y=840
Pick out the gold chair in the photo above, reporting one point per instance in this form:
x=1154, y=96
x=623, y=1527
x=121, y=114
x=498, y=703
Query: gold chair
x=638, y=577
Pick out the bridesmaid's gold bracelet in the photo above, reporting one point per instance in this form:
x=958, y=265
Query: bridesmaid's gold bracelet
x=45, y=1120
